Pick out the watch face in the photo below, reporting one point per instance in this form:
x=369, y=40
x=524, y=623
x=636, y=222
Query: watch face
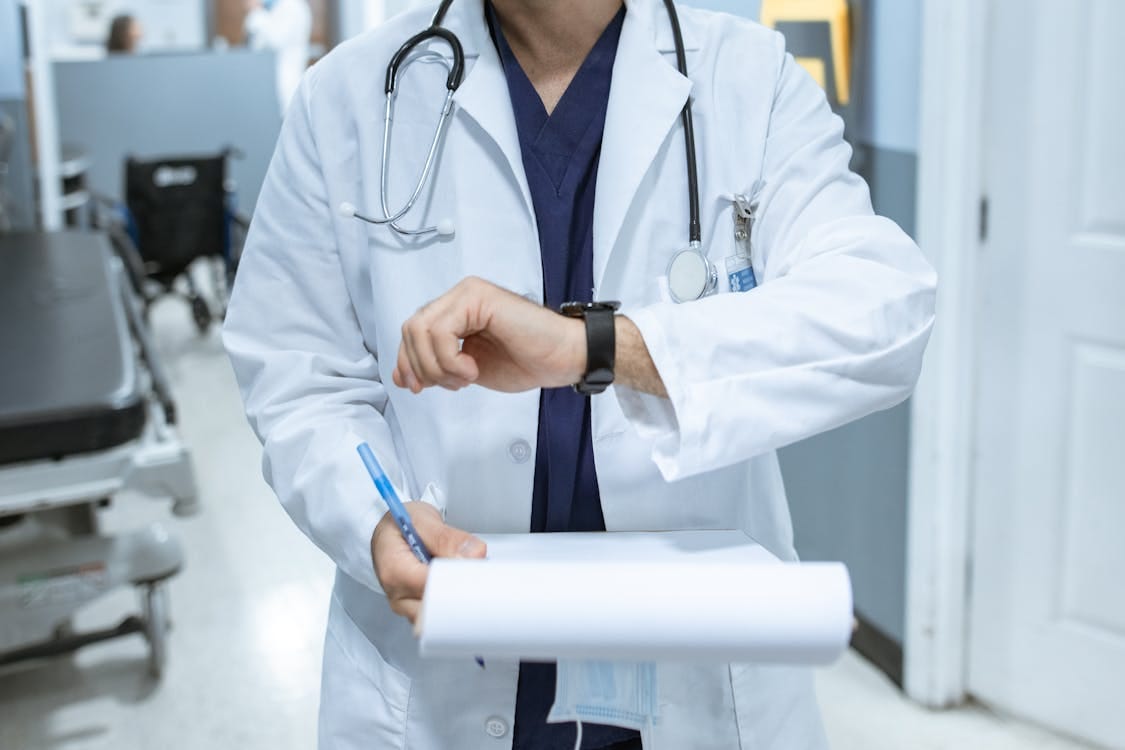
x=577, y=309
x=573, y=309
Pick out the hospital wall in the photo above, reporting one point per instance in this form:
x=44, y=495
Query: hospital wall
x=847, y=488
x=122, y=106
x=17, y=183
x=169, y=25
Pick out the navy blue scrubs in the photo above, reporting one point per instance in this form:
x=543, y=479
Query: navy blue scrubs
x=560, y=156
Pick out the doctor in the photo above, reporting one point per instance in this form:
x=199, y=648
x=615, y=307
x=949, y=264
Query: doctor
x=283, y=26
x=561, y=178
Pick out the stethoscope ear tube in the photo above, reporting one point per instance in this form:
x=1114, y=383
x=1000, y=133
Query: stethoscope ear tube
x=695, y=233
x=456, y=71
x=691, y=275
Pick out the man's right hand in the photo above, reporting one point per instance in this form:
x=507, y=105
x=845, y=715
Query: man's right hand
x=401, y=575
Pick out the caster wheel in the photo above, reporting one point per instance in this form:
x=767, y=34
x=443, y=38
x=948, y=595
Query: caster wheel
x=156, y=628
x=201, y=314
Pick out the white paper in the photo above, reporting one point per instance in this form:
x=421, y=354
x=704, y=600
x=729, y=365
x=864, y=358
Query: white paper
x=695, y=596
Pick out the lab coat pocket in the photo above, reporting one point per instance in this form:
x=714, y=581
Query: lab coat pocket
x=383, y=690
x=776, y=708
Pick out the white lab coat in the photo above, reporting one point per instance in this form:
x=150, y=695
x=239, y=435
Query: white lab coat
x=835, y=331
x=285, y=29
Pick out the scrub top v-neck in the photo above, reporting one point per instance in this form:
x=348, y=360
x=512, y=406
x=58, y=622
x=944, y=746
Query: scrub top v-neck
x=560, y=154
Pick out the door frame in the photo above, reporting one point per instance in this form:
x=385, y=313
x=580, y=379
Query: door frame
x=955, y=64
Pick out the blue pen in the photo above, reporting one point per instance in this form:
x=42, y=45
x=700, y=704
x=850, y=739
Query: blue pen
x=394, y=505
x=397, y=509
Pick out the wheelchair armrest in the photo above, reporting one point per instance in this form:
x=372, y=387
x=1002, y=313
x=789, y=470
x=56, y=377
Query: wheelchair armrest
x=130, y=256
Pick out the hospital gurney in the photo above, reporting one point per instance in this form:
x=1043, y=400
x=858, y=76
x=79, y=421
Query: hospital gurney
x=85, y=413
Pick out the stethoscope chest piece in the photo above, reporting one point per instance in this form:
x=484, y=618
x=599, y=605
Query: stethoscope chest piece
x=691, y=276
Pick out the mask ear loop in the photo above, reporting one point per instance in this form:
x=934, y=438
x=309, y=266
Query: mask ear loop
x=578, y=742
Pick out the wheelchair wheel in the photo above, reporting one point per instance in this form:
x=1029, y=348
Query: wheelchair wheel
x=156, y=628
x=201, y=313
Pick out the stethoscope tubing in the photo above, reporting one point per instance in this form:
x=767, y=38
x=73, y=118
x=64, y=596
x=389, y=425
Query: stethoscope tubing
x=456, y=71
x=453, y=81
x=431, y=159
x=695, y=232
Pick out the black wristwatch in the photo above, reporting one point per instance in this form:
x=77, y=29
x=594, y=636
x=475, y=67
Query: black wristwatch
x=601, y=343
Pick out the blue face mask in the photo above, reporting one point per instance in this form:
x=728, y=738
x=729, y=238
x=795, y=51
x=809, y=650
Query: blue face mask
x=606, y=692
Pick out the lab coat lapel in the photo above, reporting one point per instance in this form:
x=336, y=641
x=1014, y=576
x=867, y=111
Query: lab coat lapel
x=483, y=95
x=645, y=101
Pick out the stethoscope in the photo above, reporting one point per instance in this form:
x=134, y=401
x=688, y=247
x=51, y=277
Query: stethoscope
x=691, y=275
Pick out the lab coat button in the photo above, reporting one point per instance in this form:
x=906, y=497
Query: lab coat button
x=495, y=726
x=520, y=451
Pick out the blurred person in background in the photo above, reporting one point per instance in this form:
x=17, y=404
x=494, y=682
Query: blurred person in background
x=283, y=26
x=125, y=33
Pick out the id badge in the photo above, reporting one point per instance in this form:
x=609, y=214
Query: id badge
x=740, y=273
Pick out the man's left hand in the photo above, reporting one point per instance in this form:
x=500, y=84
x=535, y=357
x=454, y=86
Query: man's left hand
x=479, y=333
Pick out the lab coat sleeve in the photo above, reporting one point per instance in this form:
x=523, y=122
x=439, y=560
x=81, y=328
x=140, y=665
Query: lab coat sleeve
x=835, y=331
x=310, y=384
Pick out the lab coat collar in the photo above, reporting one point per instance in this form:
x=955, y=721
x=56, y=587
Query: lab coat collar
x=466, y=20
x=483, y=95
x=646, y=98
x=645, y=101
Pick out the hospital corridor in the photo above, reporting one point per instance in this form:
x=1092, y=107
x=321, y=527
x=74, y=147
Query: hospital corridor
x=593, y=374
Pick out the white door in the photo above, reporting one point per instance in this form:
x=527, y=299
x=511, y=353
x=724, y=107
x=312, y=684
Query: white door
x=1047, y=596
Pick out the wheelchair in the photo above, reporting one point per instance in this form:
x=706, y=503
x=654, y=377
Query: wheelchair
x=179, y=214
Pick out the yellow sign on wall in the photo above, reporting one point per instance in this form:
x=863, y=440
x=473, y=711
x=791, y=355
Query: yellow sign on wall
x=832, y=12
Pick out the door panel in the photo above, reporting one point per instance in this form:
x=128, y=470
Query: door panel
x=1092, y=550
x=1047, y=623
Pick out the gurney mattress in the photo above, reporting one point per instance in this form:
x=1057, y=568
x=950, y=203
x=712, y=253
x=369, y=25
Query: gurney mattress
x=69, y=382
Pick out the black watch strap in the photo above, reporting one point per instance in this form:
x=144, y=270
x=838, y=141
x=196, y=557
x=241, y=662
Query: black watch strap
x=601, y=344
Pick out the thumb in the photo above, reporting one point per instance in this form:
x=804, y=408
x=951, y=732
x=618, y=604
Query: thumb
x=454, y=542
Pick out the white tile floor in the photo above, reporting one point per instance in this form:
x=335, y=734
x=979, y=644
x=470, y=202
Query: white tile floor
x=250, y=608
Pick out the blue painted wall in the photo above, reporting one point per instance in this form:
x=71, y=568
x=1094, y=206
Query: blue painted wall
x=893, y=74
x=16, y=184
x=11, y=51
x=748, y=8
x=123, y=105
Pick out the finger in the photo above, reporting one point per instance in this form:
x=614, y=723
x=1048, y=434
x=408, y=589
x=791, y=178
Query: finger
x=404, y=377
x=409, y=345
x=408, y=608
x=402, y=365
x=459, y=366
x=435, y=339
x=404, y=368
x=422, y=344
x=401, y=574
x=441, y=539
x=453, y=542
